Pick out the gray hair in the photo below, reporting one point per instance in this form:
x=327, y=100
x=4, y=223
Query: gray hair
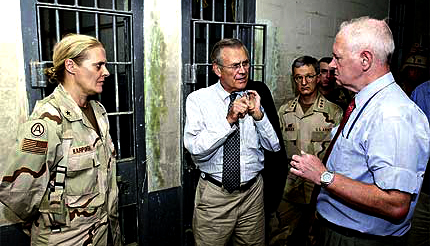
x=227, y=42
x=367, y=33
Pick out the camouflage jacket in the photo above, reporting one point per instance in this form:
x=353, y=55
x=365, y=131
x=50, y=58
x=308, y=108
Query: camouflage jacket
x=309, y=132
x=61, y=168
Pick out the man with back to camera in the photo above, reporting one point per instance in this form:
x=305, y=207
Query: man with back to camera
x=226, y=130
x=306, y=123
x=328, y=87
x=375, y=169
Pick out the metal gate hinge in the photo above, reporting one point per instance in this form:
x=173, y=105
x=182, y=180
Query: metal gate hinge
x=190, y=73
x=37, y=73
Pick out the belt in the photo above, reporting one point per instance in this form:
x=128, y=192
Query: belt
x=353, y=233
x=242, y=187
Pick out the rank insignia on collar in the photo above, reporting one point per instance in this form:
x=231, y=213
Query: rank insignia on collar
x=67, y=112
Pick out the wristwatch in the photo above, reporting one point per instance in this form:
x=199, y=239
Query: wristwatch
x=327, y=178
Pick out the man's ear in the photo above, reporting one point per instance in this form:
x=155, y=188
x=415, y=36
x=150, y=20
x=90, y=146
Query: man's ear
x=366, y=59
x=69, y=64
x=216, y=69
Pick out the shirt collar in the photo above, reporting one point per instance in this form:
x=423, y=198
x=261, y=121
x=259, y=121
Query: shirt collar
x=221, y=92
x=372, y=88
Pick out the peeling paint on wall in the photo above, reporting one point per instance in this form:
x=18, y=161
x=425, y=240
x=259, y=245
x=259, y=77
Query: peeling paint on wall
x=156, y=109
x=162, y=93
x=276, y=75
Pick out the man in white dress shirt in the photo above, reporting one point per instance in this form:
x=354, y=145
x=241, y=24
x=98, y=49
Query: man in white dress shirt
x=222, y=213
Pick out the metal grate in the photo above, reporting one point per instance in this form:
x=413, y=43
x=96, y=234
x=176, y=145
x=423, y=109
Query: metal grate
x=215, y=20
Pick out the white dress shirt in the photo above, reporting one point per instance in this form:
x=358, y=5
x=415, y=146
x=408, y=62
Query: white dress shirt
x=207, y=128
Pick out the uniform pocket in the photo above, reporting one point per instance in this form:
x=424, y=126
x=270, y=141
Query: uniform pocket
x=290, y=141
x=320, y=136
x=320, y=141
x=81, y=179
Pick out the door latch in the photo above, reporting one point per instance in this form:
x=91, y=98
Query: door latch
x=37, y=73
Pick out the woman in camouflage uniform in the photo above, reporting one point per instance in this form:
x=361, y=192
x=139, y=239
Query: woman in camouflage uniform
x=62, y=173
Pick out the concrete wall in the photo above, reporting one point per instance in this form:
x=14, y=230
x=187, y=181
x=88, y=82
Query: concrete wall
x=13, y=97
x=162, y=25
x=305, y=27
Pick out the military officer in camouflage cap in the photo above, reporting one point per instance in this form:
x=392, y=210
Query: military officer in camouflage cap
x=306, y=123
x=62, y=175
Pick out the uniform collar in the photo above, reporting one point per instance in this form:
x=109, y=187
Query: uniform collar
x=70, y=109
x=319, y=105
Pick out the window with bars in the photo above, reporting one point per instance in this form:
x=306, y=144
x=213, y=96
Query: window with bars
x=213, y=20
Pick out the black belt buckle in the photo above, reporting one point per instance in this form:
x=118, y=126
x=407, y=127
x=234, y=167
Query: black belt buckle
x=208, y=177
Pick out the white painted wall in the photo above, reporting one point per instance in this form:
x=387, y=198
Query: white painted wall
x=13, y=97
x=305, y=27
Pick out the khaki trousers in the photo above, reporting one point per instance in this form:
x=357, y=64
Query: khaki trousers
x=220, y=216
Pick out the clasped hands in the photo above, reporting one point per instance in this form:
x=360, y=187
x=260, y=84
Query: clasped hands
x=248, y=103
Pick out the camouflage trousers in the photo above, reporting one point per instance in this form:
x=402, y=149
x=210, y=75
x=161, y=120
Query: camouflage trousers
x=85, y=229
x=289, y=225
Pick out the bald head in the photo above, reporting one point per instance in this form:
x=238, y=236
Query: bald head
x=371, y=34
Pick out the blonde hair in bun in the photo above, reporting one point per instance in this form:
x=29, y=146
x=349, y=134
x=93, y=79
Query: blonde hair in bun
x=72, y=46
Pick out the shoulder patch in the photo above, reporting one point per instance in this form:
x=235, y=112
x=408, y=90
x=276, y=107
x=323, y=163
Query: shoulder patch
x=37, y=129
x=34, y=146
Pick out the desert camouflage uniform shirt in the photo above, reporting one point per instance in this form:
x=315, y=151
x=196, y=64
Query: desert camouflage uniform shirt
x=309, y=132
x=62, y=175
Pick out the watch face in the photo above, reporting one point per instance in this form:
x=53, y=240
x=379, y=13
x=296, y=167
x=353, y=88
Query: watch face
x=326, y=177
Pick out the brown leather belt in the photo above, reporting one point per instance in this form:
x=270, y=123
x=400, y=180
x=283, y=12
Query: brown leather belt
x=242, y=188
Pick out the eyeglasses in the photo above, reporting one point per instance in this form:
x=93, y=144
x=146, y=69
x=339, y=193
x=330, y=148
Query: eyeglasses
x=236, y=66
x=308, y=77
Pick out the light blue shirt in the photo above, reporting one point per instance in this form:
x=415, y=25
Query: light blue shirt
x=207, y=128
x=421, y=96
x=385, y=142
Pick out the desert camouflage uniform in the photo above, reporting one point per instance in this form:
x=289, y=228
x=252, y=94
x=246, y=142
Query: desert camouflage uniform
x=309, y=132
x=63, y=175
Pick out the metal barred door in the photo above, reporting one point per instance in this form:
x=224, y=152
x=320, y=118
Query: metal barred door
x=118, y=26
x=205, y=22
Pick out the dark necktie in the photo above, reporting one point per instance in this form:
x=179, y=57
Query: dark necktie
x=231, y=157
x=345, y=118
